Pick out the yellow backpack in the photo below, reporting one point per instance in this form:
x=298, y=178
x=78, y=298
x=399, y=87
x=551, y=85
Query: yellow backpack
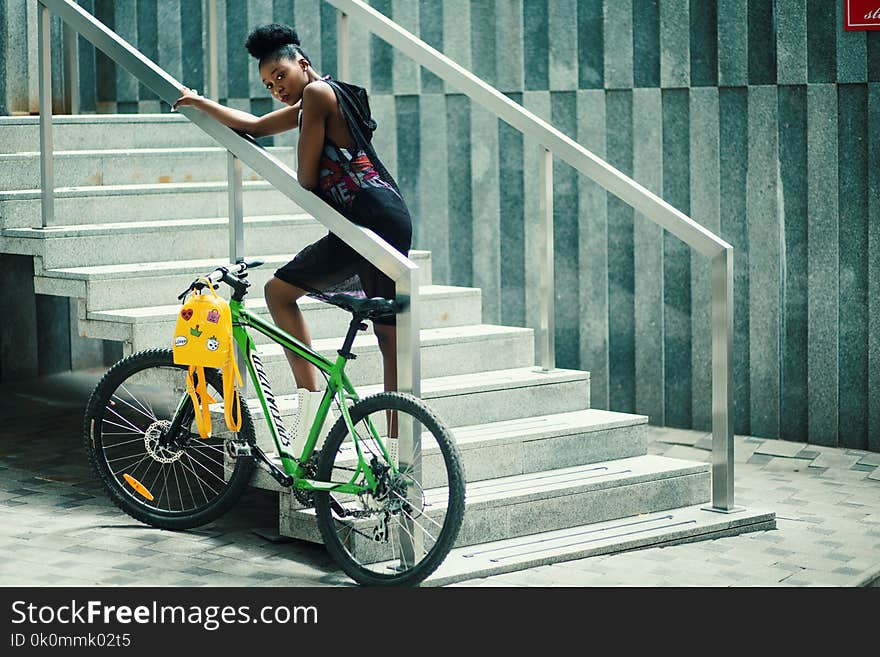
x=203, y=338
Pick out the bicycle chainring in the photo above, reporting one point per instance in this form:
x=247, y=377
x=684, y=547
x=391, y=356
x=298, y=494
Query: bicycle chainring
x=310, y=470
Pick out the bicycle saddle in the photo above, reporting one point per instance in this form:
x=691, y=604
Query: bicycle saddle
x=364, y=308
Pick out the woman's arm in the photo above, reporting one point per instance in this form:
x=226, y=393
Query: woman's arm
x=258, y=126
x=317, y=102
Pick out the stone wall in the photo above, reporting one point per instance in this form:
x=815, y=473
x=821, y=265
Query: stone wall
x=753, y=117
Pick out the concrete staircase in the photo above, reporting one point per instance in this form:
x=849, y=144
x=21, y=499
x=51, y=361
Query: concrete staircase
x=549, y=478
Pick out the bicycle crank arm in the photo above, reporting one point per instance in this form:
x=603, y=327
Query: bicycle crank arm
x=266, y=463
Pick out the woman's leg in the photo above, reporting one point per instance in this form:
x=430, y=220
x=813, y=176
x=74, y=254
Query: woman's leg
x=387, y=337
x=281, y=299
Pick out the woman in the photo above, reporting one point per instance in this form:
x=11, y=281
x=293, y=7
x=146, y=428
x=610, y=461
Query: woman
x=337, y=162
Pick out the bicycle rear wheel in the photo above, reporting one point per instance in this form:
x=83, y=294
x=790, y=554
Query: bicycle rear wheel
x=176, y=483
x=400, y=535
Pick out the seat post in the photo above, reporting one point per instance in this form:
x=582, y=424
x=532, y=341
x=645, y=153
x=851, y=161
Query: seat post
x=356, y=325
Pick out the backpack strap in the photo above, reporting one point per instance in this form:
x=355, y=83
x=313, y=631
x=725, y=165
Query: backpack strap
x=230, y=393
x=201, y=399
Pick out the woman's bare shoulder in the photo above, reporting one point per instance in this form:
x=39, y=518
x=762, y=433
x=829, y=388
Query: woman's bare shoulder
x=319, y=94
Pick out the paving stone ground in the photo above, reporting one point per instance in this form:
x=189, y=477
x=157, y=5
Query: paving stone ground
x=58, y=528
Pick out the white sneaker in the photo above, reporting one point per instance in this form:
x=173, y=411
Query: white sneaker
x=307, y=408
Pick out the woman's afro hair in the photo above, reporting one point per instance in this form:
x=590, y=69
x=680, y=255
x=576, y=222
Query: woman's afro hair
x=274, y=39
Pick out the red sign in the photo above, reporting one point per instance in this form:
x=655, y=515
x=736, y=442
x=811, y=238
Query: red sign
x=861, y=14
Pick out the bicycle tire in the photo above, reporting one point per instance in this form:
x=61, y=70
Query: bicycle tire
x=137, y=370
x=344, y=547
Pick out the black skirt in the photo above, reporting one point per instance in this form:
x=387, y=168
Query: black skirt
x=329, y=266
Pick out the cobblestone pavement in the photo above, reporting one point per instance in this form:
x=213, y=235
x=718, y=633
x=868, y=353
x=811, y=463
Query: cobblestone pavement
x=57, y=527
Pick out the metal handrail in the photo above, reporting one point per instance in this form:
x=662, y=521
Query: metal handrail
x=553, y=142
x=402, y=270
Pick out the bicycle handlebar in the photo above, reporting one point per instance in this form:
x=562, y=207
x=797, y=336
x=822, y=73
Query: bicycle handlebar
x=229, y=274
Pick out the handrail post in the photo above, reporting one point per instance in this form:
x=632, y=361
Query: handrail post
x=722, y=382
x=409, y=443
x=213, y=54
x=47, y=172
x=71, y=70
x=548, y=284
x=236, y=233
x=343, y=63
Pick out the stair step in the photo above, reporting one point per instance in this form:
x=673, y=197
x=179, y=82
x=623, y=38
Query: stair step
x=112, y=204
x=443, y=306
x=113, y=131
x=21, y=171
x=543, y=442
x=510, y=507
x=685, y=524
x=105, y=287
x=480, y=397
x=108, y=244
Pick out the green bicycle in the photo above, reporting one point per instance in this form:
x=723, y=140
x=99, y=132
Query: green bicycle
x=386, y=487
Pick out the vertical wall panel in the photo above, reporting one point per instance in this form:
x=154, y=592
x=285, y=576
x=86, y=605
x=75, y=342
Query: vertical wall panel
x=512, y=210
x=823, y=249
x=704, y=43
x=617, y=45
x=385, y=138
x=621, y=283
x=4, y=39
x=259, y=13
x=591, y=44
x=873, y=268
x=483, y=47
x=148, y=40
x=733, y=153
x=762, y=43
x=192, y=49
x=86, y=63
x=733, y=43
x=764, y=241
x=105, y=69
x=458, y=123
x=675, y=51
x=646, y=43
x=535, y=54
x=593, y=256
x=852, y=148
x=169, y=30
x=791, y=41
x=822, y=17
x=457, y=32
x=125, y=24
x=676, y=261
x=648, y=253
x=563, y=38
x=508, y=43
x=406, y=71
x=381, y=56
x=706, y=210
x=486, y=235
x=238, y=84
x=433, y=231
x=565, y=237
x=329, y=42
x=793, y=215
x=852, y=61
x=407, y=119
x=431, y=32
x=360, y=60
x=873, y=48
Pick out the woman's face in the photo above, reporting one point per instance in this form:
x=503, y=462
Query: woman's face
x=285, y=78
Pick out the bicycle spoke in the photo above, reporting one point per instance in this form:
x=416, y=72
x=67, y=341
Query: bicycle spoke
x=148, y=409
x=124, y=442
x=128, y=422
x=135, y=408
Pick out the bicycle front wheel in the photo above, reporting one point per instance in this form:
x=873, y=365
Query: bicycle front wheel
x=172, y=482
x=400, y=534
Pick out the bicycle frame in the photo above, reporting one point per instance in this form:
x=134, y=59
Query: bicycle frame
x=338, y=383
